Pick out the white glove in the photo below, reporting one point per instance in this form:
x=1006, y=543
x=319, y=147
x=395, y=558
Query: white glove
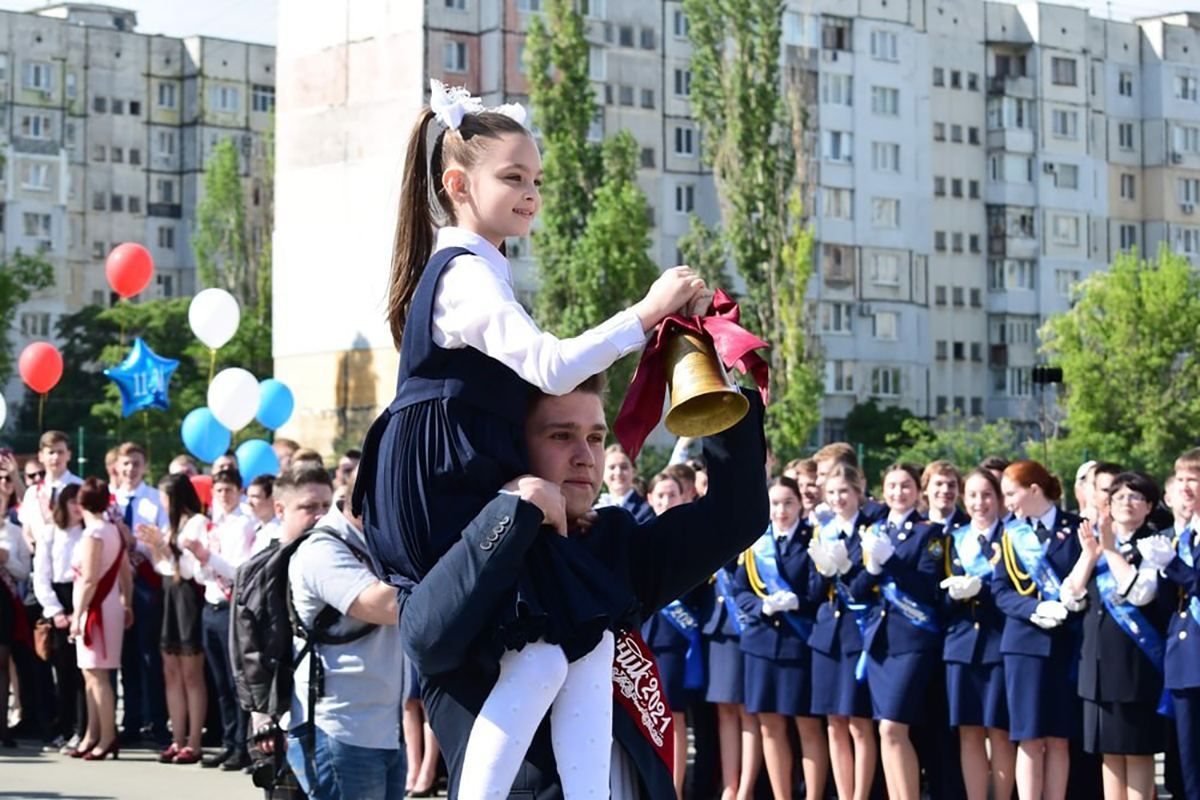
x=1045, y=623
x=1052, y=609
x=880, y=549
x=822, y=558
x=840, y=556
x=1073, y=602
x=786, y=601
x=768, y=606
x=1157, y=550
x=962, y=587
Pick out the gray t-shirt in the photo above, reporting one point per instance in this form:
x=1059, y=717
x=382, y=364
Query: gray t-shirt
x=364, y=678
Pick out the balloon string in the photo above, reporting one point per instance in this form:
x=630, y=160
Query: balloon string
x=212, y=363
x=121, y=313
x=146, y=429
x=41, y=408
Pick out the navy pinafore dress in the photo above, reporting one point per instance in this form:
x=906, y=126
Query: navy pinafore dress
x=441, y=451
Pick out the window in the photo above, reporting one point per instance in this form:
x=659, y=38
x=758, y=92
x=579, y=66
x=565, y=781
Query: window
x=134, y=204
x=166, y=95
x=72, y=87
x=973, y=189
x=685, y=198
x=647, y=38
x=683, y=82
x=625, y=95
x=1062, y=71
x=956, y=187
x=1066, y=230
x=939, y=294
x=973, y=81
x=36, y=225
x=885, y=381
x=1128, y=186
x=955, y=79
x=165, y=190
x=1065, y=280
x=647, y=98
x=939, y=241
x=1187, y=240
x=454, y=56
x=956, y=133
x=1009, y=112
x=839, y=146
x=117, y=155
x=883, y=46
x=166, y=143
x=839, y=203
x=1066, y=176
x=939, y=186
x=625, y=35
x=69, y=134
x=597, y=63
x=839, y=377
x=1125, y=84
x=885, y=157
x=38, y=75
x=956, y=296
x=166, y=237
x=35, y=176
x=1125, y=135
x=1128, y=236
x=647, y=158
x=885, y=269
x=960, y=351
x=976, y=403
x=456, y=5
x=887, y=323
x=98, y=250
x=940, y=350
x=1186, y=87
x=679, y=25
x=529, y=5
x=939, y=76
x=3, y=67
x=35, y=323
x=974, y=245
x=118, y=106
x=116, y=203
x=1065, y=123
x=939, y=131
x=1187, y=139
x=835, y=34
x=836, y=318
x=942, y=406
x=262, y=98
x=685, y=141
x=885, y=212
x=976, y=298
x=885, y=101
x=1010, y=274
x=1188, y=190
x=973, y=135
x=35, y=126
x=956, y=242
x=99, y=201
x=837, y=90
x=135, y=156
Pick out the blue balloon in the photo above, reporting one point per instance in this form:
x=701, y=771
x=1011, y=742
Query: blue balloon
x=275, y=404
x=255, y=457
x=142, y=378
x=203, y=436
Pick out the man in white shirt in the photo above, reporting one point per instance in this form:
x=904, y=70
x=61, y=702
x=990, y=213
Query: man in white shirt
x=145, y=714
x=261, y=503
x=228, y=544
x=54, y=454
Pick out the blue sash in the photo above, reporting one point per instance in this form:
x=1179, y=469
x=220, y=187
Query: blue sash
x=1135, y=625
x=1189, y=558
x=682, y=620
x=1031, y=552
x=766, y=563
x=917, y=613
x=859, y=611
x=980, y=566
x=736, y=618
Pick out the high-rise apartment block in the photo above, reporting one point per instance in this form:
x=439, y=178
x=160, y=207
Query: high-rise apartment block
x=105, y=133
x=969, y=163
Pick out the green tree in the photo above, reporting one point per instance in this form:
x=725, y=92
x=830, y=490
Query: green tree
x=963, y=441
x=704, y=250
x=1131, y=370
x=592, y=245
x=20, y=276
x=879, y=430
x=750, y=136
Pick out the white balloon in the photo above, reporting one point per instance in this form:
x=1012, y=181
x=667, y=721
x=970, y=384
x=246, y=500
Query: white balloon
x=3, y=410
x=214, y=316
x=233, y=397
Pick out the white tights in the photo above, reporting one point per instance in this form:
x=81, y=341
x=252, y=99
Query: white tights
x=533, y=680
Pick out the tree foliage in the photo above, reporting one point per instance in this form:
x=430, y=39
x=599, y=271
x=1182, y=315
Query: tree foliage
x=1131, y=370
x=20, y=276
x=749, y=140
x=592, y=245
x=963, y=441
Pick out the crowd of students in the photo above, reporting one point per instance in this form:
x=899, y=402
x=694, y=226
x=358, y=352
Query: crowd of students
x=964, y=636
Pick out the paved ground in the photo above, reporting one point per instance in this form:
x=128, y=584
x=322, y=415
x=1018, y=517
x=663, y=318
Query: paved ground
x=28, y=774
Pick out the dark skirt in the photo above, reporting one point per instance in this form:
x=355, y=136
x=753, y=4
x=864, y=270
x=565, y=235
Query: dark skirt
x=671, y=668
x=182, y=605
x=1127, y=729
x=975, y=693
x=898, y=684
x=778, y=686
x=1042, y=698
x=431, y=468
x=835, y=691
x=725, y=670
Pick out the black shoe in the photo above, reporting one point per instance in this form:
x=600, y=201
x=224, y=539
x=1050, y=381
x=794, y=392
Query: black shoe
x=217, y=759
x=7, y=741
x=130, y=737
x=238, y=761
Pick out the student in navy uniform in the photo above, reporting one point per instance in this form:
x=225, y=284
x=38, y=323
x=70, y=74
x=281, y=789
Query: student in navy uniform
x=1040, y=643
x=673, y=634
x=838, y=691
x=1120, y=668
x=974, y=667
x=836, y=453
x=618, y=479
x=903, y=558
x=941, y=489
x=1181, y=568
x=772, y=592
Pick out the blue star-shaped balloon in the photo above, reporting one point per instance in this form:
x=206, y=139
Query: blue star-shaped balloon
x=142, y=379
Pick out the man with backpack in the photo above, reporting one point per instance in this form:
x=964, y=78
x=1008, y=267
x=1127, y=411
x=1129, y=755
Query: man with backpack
x=344, y=626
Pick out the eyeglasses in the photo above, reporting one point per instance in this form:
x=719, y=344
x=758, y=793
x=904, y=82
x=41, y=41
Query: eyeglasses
x=6, y=478
x=35, y=476
x=1128, y=497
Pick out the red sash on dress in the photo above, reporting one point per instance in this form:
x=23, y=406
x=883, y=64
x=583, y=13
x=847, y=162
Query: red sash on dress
x=639, y=690
x=22, y=633
x=95, y=616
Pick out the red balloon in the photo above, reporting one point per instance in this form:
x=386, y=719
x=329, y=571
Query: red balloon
x=41, y=366
x=129, y=268
x=203, y=486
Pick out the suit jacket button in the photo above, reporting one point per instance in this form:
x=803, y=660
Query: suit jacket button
x=976, y=626
x=498, y=529
x=485, y=546
x=837, y=613
x=1183, y=634
x=883, y=613
x=493, y=536
x=505, y=520
x=720, y=600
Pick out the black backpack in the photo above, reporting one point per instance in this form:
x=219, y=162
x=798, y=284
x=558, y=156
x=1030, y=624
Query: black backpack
x=264, y=621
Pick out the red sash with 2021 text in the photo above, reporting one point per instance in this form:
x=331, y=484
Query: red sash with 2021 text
x=639, y=690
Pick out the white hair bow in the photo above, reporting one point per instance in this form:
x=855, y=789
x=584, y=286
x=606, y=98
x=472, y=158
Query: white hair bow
x=451, y=103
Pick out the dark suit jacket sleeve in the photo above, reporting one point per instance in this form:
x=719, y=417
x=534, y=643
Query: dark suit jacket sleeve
x=747, y=600
x=1008, y=599
x=448, y=609
x=1183, y=576
x=687, y=544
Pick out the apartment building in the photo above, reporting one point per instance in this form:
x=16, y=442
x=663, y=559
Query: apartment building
x=968, y=162
x=105, y=133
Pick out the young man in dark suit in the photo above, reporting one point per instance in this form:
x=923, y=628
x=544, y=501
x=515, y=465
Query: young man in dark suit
x=654, y=562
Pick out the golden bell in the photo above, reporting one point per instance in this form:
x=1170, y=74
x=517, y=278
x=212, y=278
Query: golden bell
x=704, y=400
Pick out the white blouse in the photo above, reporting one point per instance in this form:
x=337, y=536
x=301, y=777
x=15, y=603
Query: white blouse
x=187, y=565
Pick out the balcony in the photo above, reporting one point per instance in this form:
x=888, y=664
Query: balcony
x=41, y=147
x=1014, y=140
x=169, y=210
x=998, y=355
x=1011, y=85
x=1013, y=246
